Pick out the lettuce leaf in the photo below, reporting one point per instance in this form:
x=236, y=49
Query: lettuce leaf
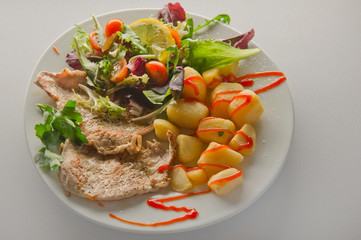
x=207, y=54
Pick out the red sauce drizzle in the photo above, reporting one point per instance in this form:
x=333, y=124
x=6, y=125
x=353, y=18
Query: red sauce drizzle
x=192, y=85
x=226, y=93
x=246, y=82
x=272, y=85
x=190, y=82
x=202, y=165
x=215, y=149
x=259, y=74
x=226, y=179
x=248, y=99
x=163, y=168
x=214, y=82
x=190, y=213
x=249, y=140
x=207, y=118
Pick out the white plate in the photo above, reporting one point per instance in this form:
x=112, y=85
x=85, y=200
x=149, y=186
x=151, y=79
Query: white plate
x=274, y=134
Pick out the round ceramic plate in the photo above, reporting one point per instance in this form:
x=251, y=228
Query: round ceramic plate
x=274, y=134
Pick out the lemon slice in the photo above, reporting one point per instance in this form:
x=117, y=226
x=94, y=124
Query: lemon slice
x=155, y=35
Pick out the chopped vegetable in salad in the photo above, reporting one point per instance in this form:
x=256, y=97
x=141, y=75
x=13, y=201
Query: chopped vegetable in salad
x=141, y=64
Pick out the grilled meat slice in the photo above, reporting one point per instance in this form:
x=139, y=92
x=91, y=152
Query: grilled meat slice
x=107, y=136
x=87, y=173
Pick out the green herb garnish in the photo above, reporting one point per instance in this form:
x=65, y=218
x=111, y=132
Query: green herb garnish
x=57, y=127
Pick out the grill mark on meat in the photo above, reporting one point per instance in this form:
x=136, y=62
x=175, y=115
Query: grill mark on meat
x=118, y=176
x=108, y=137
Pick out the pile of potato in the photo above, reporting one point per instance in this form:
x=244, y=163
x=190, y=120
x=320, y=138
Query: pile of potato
x=218, y=115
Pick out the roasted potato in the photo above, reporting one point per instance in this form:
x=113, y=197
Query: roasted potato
x=161, y=128
x=246, y=107
x=186, y=113
x=244, y=140
x=179, y=179
x=189, y=148
x=220, y=154
x=214, y=129
x=225, y=181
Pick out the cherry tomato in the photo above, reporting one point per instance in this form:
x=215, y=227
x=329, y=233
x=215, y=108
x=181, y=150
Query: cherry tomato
x=119, y=71
x=157, y=72
x=176, y=37
x=94, y=42
x=113, y=25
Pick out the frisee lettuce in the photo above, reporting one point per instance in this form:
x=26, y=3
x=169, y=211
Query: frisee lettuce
x=101, y=105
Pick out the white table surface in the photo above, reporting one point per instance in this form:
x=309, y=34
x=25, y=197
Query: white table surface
x=315, y=43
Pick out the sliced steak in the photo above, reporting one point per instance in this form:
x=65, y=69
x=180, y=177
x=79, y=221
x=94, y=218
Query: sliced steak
x=107, y=136
x=86, y=173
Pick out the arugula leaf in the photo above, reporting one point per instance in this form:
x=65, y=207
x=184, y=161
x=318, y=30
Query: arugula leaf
x=155, y=97
x=177, y=82
x=207, y=54
x=129, y=36
x=188, y=27
x=154, y=114
x=223, y=18
x=89, y=67
x=172, y=60
x=57, y=127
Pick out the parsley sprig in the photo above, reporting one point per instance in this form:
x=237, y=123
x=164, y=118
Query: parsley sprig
x=57, y=127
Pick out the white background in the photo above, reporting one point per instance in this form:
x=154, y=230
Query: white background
x=317, y=195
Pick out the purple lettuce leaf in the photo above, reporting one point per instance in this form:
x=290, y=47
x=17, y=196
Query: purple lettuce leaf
x=137, y=66
x=241, y=41
x=172, y=13
x=72, y=59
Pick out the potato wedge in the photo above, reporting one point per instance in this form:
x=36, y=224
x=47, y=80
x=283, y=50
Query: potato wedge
x=189, y=71
x=194, y=87
x=214, y=129
x=244, y=140
x=246, y=107
x=189, y=148
x=197, y=175
x=225, y=181
x=221, y=96
x=179, y=179
x=186, y=114
x=220, y=154
x=161, y=128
